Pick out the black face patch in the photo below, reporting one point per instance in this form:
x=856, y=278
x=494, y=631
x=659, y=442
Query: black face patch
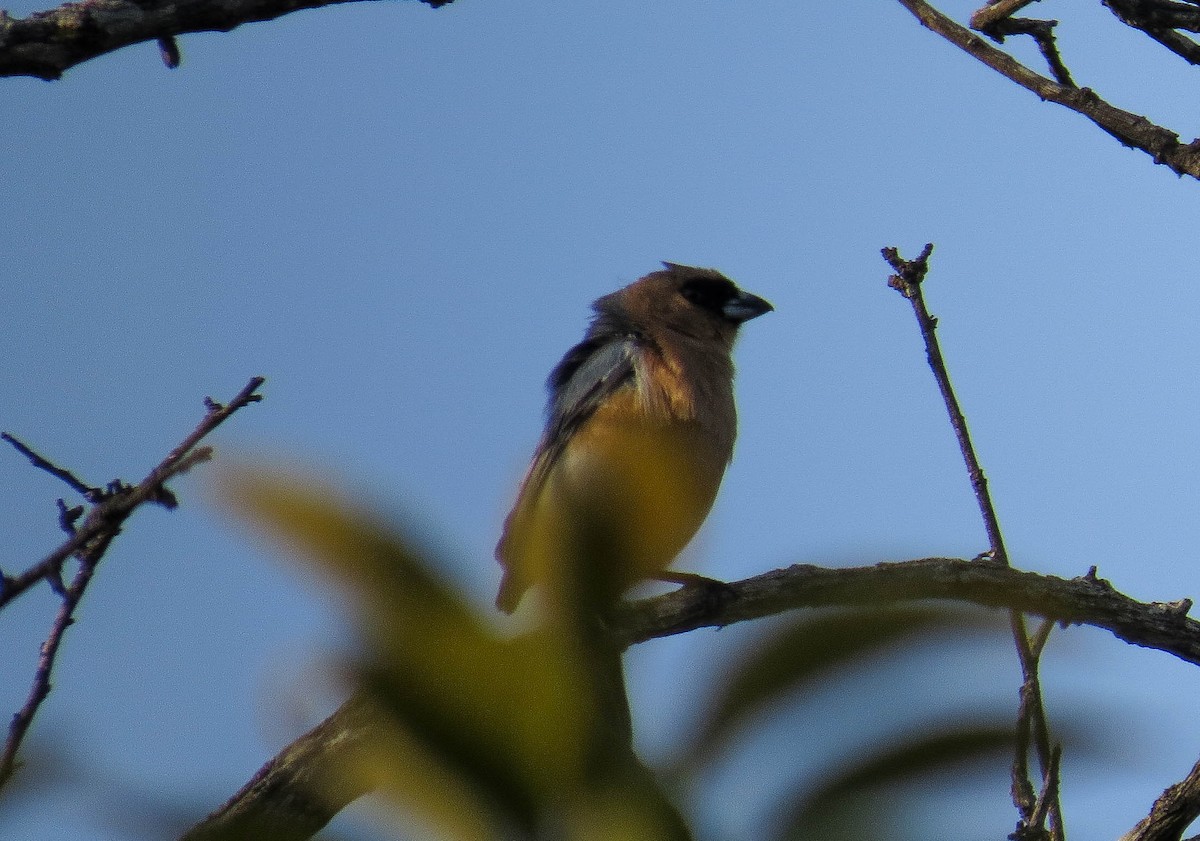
x=709, y=293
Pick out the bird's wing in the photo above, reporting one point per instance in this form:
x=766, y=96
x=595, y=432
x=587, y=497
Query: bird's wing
x=589, y=374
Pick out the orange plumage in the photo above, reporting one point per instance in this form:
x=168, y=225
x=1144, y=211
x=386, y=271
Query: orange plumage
x=641, y=427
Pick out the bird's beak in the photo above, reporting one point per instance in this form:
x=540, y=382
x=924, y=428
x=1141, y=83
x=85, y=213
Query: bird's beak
x=745, y=307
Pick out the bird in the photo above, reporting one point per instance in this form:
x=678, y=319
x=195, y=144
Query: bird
x=640, y=427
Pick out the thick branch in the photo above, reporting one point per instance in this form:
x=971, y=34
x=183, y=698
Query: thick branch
x=285, y=783
x=1130, y=129
x=291, y=797
x=1181, y=45
x=995, y=11
x=1173, y=812
x=46, y=44
x=1086, y=600
x=1156, y=14
x=1131, y=13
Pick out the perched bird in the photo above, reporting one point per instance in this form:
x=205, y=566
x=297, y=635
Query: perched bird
x=641, y=425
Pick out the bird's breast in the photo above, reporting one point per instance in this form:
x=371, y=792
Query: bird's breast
x=643, y=481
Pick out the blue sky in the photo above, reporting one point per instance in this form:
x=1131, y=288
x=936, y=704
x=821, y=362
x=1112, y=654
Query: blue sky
x=400, y=215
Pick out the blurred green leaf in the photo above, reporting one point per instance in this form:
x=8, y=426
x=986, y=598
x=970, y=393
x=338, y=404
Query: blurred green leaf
x=481, y=735
x=370, y=557
x=502, y=722
x=628, y=806
x=850, y=806
x=809, y=648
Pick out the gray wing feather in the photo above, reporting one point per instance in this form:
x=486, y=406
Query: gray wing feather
x=602, y=370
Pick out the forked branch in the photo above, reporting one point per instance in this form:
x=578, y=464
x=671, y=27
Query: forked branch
x=1132, y=130
x=88, y=543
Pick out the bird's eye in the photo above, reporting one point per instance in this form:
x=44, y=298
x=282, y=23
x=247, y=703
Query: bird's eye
x=708, y=293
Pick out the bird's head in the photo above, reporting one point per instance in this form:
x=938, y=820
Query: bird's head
x=699, y=303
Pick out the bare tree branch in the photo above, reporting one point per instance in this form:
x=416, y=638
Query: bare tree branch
x=1033, y=728
x=1181, y=45
x=284, y=787
x=46, y=44
x=1132, y=13
x=85, y=490
x=1086, y=600
x=120, y=500
x=996, y=21
x=1156, y=14
x=1130, y=129
x=907, y=281
x=1172, y=813
x=1042, y=32
x=1179, y=805
x=291, y=797
x=1047, y=804
x=996, y=10
x=88, y=544
x=1031, y=722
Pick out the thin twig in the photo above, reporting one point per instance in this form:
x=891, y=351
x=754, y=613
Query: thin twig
x=1031, y=693
x=1023, y=795
x=1033, y=727
x=1038, y=643
x=40, y=688
x=1047, y=801
x=1029, y=717
x=89, y=493
x=119, y=506
x=1050, y=795
x=89, y=543
x=908, y=282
